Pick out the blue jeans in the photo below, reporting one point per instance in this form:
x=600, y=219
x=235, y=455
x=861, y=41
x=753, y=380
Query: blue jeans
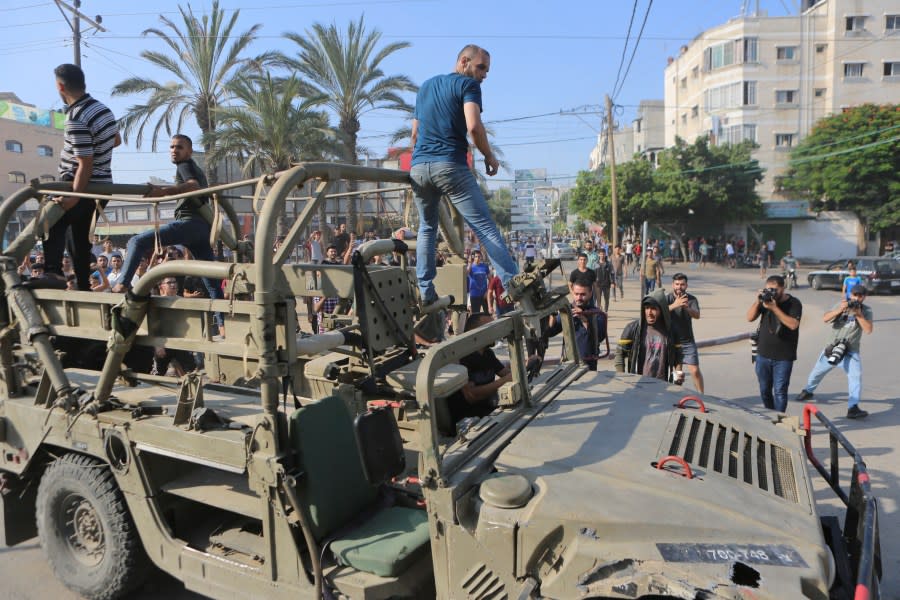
x=852, y=366
x=432, y=180
x=192, y=234
x=774, y=376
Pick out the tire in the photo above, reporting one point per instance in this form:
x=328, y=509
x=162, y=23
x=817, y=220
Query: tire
x=815, y=283
x=86, y=531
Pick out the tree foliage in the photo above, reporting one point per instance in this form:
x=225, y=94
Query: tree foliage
x=500, y=205
x=851, y=161
x=205, y=57
x=694, y=183
x=271, y=126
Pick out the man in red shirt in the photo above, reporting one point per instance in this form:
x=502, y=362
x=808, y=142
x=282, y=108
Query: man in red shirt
x=496, y=294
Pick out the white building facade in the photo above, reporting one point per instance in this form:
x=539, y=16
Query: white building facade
x=769, y=79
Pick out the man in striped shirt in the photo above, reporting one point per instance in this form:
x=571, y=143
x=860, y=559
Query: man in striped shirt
x=91, y=133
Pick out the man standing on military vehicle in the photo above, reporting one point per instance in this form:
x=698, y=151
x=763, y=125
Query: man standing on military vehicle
x=448, y=110
x=189, y=228
x=777, y=338
x=684, y=308
x=647, y=345
x=91, y=133
x=849, y=320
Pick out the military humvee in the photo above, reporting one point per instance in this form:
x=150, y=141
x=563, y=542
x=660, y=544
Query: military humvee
x=329, y=466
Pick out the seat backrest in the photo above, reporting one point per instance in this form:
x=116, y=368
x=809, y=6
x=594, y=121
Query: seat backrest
x=333, y=487
x=380, y=445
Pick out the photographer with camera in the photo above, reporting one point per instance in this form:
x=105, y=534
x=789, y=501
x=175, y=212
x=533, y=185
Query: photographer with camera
x=849, y=320
x=779, y=332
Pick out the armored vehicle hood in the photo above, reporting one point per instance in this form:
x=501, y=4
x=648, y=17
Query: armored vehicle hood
x=603, y=515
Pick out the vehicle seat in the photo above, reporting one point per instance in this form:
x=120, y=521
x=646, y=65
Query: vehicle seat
x=341, y=504
x=448, y=380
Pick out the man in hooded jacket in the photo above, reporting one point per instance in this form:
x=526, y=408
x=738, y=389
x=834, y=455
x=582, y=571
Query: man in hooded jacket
x=647, y=345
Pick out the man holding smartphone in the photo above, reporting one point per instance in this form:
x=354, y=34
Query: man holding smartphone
x=683, y=309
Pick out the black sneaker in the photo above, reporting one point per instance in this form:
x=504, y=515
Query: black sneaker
x=856, y=412
x=804, y=396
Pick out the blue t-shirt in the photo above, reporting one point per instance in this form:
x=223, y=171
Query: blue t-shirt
x=478, y=279
x=849, y=282
x=442, y=132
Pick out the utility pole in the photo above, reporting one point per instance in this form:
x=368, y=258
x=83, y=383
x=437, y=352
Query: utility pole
x=75, y=24
x=612, y=171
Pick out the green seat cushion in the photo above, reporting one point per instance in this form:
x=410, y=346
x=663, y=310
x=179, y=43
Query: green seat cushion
x=387, y=544
x=333, y=485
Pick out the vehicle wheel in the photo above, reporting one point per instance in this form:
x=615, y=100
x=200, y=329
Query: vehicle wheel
x=816, y=283
x=85, y=529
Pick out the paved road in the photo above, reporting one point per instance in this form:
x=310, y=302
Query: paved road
x=724, y=297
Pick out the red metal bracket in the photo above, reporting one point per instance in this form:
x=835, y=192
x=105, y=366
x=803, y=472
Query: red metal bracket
x=684, y=465
x=696, y=399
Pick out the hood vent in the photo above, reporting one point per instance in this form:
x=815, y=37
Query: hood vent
x=480, y=583
x=742, y=456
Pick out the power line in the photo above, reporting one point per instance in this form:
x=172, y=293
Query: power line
x=634, y=50
x=14, y=8
x=627, y=38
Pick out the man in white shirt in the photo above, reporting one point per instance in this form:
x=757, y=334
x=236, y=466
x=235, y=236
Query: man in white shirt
x=115, y=273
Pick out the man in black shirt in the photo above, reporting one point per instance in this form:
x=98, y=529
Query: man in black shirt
x=779, y=334
x=341, y=239
x=605, y=279
x=582, y=273
x=487, y=374
x=189, y=228
x=683, y=309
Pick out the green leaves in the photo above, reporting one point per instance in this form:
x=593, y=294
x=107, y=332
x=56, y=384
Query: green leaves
x=693, y=183
x=851, y=161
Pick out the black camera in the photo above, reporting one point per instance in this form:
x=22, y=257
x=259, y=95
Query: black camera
x=853, y=304
x=836, y=353
x=768, y=294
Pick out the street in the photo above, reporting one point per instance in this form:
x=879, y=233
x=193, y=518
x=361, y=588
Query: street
x=724, y=297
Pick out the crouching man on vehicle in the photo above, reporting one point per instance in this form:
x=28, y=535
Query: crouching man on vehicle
x=849, y=319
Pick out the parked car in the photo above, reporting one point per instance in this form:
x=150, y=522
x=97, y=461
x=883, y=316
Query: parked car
x=879, y=274
x=560, y=250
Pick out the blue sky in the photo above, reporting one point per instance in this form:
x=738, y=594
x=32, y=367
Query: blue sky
x=547, y=57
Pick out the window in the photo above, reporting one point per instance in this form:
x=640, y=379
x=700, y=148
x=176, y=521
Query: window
x=695, y=111
x=784, y=140
x=47, y=178
x=683, y=82
x=786, y=96
x=892, y=23
x=786, y=53
x=137, y=214
x=732, y=95
x=749, y=93
x=14, y=146
x=853, y=69
x=820, y=92
x=750, y=49
x=110, y=215
x=820, y=48
x=16, y=177
x=735, y=134
x=684, y=118
x=855, y=23
x=695, y=72
x=892, y=69
x=45, y=151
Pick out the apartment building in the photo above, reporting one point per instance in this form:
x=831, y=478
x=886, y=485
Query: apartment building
x=645, y=137
x=32, y=140
x=769, y=79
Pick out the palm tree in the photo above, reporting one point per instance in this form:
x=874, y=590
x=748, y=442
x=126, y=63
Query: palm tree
x=345, y=68
x=267, y=131
x=204, y=60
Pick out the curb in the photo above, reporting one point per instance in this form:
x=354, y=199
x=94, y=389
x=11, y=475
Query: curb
x=728, y=339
